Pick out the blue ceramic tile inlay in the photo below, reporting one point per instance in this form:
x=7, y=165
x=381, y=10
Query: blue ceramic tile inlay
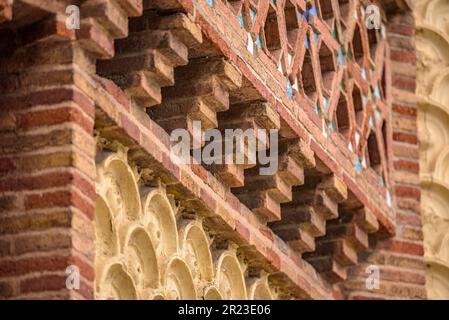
x=325, y=104
x=358, y=165
x=241, y=20
x=252, y=14
x=371, y=121
x=340, y=57
x=289, y=88
x=211, y=2
x=310, y=12
x=315, y=37
x=330, y=125
x=377, y=92
x=258, y=41
x=306, y=42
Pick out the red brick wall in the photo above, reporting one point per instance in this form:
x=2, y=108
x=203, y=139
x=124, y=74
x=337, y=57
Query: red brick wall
x=47, y=171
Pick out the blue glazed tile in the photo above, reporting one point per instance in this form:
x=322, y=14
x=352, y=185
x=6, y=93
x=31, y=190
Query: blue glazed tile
x=310, y=12
x=377, y=92
x=242, y=24
x=211, y=3
x=340, y=57
x=306, y=42
x=325, y=104
x=358, y=165
x=252, y=15
x=258, y=42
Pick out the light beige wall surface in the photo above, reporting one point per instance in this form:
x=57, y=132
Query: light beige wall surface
x=432, y=41
x=146, y=250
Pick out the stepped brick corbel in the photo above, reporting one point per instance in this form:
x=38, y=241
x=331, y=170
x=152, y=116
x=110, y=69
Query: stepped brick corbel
x=146, y=59
x=201, y=91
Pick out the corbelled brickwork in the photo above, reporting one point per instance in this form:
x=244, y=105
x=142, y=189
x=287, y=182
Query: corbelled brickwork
x=87, y=178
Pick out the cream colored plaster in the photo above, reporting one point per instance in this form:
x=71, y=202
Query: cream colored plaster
x=432, y=20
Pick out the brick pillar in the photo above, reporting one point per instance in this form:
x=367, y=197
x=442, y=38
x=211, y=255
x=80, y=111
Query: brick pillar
x=47, y=168
x=400, y=259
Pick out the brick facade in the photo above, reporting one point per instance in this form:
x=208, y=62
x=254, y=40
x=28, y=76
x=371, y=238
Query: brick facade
x=346, y=194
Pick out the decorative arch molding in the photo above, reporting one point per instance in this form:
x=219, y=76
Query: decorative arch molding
x=433, y=85
x=147, y=250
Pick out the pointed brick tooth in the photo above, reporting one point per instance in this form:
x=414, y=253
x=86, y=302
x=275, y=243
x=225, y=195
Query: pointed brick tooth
x=304, y=243
x=297, y=238
x=166, y=5
x=151, y=62
x=93, y=38
x=366, y=220
x=209, y=90
x=262, y=204
x=335, y=188
x=300, y=151
x=345, y=253
x=329, y=268
x=254, y=116
x=194, y=107
x=264, y=114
